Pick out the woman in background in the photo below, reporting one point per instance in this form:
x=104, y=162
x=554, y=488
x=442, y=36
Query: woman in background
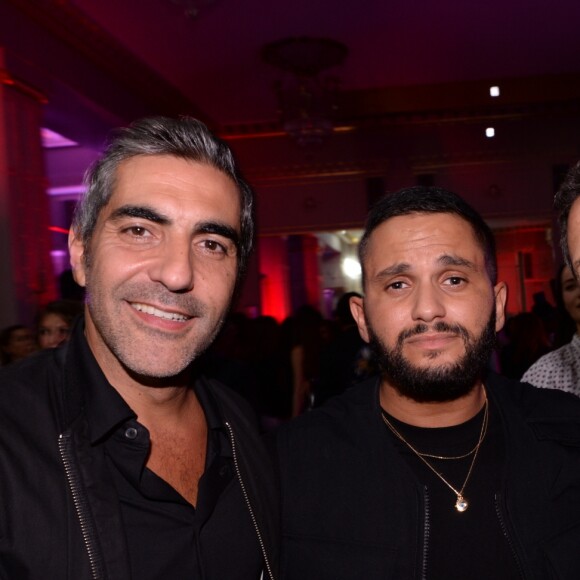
x=55, y=321
x=16, y=343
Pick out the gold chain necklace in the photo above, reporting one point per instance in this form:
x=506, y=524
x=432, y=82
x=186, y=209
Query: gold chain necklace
x=446, y=457
x=461, y=504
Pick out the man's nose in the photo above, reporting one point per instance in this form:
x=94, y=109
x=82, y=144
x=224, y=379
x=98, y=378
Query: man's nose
x=173, y=265
x=428, y=303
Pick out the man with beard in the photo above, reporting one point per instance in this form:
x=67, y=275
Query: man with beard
x=118, y=459
x=437, y=468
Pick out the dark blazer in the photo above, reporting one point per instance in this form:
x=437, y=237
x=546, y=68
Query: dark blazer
x=59, y=513
x=352, y=508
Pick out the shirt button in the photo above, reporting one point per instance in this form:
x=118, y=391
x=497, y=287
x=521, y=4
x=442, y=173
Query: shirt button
x=131, y=433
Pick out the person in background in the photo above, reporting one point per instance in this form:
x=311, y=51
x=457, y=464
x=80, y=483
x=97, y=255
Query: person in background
x=54, y=322
x=560, y=369
x=16, y=343
x=341, y=359
x=527, y=342
x=437, y=468
x=307, y=343
x=567, y=204
x=120, y=459
x=547, y=313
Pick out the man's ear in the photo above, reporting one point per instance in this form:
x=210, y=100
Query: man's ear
x=500, y=293
x=357, y=311
x=76, y=250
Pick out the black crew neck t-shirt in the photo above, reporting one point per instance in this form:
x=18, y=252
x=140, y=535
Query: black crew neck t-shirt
x=469, y=544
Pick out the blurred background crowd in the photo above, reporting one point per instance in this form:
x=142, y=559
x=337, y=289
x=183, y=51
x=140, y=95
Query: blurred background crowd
x=284, y=369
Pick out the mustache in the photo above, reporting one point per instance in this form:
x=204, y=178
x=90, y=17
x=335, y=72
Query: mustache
x=437, y=327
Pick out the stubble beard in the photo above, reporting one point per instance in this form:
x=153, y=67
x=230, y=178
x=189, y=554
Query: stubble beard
x=148, y=366
x=440, y=382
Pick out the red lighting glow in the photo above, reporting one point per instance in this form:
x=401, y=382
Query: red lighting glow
x=58, y=230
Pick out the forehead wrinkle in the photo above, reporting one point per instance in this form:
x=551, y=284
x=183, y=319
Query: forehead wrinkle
x=444, y=260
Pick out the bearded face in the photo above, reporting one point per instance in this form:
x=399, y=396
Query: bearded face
x=436, y=382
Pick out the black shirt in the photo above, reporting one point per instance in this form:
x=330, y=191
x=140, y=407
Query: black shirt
x=469, y=544
x=167, y=537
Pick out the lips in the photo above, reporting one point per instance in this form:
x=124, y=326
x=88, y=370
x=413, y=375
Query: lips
x=431, y=341
x=165, y=315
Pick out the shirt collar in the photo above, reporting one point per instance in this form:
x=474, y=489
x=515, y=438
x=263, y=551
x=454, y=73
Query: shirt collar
x=104, y=408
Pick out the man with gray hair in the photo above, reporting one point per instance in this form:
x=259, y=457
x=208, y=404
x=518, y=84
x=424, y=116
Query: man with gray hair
x=568, y=207
x=118, y=459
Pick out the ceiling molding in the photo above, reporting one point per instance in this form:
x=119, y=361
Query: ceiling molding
x=452, y=103
x=317, y=172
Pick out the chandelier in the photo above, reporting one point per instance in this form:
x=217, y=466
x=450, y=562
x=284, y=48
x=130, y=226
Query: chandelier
x=192, y=8
x=306, y=98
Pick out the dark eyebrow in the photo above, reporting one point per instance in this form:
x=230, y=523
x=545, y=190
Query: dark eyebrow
x=139, y=211
x=149, y=214
x=447, y=260
x=219, y=229
x=394, y=270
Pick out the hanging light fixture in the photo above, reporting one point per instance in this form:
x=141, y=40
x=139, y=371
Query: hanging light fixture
x=192, y=8
x=306, y=98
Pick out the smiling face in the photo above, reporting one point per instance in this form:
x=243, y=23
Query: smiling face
x=160, y=268
x=429, y=307
x=53, y=330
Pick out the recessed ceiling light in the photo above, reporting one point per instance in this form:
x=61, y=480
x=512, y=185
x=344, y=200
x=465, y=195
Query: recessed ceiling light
x=490, y=132
x=494, y=91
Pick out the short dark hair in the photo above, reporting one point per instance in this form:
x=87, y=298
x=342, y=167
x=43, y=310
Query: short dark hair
x=563, y=201
x=185, y=138
x=421, y=199
x=5, y=338
x=68, y=310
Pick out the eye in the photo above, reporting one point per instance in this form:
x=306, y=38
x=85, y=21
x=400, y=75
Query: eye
x=455, y=281
x=136, y=231
x=398, y=285
x=214, y=246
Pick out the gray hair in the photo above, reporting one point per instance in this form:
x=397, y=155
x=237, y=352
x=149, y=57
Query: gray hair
x=186, y=138
x=563, y=201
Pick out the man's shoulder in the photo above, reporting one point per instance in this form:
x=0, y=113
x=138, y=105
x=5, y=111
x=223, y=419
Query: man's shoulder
x=348, y=411
x=231, y=405
x=31, y=403
x=532, y=402
x=555, y=359
x=33, y=373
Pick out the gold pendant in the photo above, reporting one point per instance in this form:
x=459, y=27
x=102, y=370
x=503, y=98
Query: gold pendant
x=461, y=504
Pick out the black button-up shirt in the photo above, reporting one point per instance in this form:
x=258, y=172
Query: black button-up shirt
x=167, y=537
